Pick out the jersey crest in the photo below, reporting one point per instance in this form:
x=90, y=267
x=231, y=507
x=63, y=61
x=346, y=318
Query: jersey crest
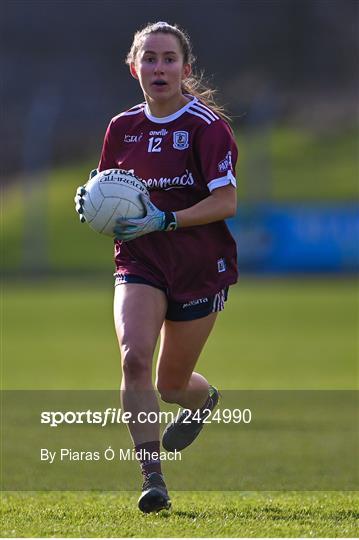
x=180, y=140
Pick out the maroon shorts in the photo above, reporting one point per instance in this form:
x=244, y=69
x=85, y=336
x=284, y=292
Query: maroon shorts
x=193, y=308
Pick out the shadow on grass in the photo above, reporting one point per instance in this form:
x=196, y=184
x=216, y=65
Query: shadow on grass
x=165, y=514
x=344, y=514
x=187, y=514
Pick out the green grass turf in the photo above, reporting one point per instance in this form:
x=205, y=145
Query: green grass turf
x=295, y=165
x=308, y=166
x=272, y=334
x=202, y=514
x=295, y=334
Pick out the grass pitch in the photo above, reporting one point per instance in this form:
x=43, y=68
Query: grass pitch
x=201, y=514
x=272, y=334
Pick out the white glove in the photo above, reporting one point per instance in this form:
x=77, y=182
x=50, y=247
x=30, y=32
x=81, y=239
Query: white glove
x=80, y=193
x=154, y=220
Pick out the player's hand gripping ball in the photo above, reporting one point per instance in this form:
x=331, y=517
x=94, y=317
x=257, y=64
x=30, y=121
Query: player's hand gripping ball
x=108, y=195
x=79, y=197
x=154, y=220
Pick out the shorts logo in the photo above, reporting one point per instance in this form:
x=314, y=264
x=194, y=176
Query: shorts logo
x=221, y=265
x=180, y=140
x=195, y=303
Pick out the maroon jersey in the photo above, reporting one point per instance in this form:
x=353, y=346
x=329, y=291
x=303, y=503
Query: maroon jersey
x=180, y=158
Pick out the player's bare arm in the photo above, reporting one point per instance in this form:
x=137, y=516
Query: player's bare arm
x=221, y=204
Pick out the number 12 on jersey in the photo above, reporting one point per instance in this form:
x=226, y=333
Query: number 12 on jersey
x=154, y=144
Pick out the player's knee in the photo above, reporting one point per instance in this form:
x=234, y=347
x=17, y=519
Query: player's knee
x=136, y=364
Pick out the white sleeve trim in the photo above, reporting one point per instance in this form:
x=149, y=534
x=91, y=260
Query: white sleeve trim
x=222, y=181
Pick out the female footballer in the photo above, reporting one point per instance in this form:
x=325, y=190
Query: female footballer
x=173, y=266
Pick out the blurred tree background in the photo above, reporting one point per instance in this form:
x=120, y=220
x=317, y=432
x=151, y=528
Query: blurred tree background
x=273, y=61
x=286, y=70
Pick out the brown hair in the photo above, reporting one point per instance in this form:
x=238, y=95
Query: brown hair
x=195, y=84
